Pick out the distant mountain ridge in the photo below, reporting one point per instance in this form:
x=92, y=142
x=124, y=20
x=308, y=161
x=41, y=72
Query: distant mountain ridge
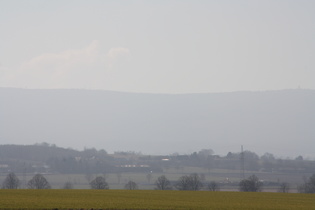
x=280, y=122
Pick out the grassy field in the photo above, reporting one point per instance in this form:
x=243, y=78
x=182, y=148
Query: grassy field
x=80, y=181
x=151, y=199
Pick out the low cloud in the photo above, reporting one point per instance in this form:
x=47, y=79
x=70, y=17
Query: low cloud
x=72, y=68
x=118, y=54
x=66, y=59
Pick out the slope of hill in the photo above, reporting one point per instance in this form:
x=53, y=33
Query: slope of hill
x=280, y=122
x=39, y=152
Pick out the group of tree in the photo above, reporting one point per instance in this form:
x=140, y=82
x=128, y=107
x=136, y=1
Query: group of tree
x=251, y=184
x=162, y=183
x=99, y=183
x=253, y=162
x=284, y=187
x=37, y=182
x=308, y=186
x=53, y=159
x=11, y=182
x=68, y=185
x=213, y=186
x=131, y=185
x=187, y=182
x=190, y=182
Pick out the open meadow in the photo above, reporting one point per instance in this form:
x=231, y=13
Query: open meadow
x=81, y=181
x=151, y=199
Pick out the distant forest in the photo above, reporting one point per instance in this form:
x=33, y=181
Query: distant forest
x=46, y=158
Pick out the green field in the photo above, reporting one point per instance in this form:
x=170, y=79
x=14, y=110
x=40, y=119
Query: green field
x=151, y=199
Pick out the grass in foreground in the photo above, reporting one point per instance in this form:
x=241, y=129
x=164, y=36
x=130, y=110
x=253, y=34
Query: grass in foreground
x=150, y=199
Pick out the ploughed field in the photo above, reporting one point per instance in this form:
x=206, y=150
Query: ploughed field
x=152, y=199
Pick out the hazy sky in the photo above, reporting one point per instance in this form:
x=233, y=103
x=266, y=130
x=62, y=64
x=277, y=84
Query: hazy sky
x=158, y=46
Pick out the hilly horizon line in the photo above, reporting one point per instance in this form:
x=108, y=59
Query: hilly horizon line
x=280, y=121
x=52, y=145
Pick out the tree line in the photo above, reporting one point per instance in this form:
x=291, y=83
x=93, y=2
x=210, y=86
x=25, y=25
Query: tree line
x=45, y=158
x=37, y=182
x=192, y=182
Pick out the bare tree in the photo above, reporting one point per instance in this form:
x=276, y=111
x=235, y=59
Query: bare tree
x=195, y=180
x=183, y=183
x=99, y=183
x=162, y=183
x=11, y=181
x=311, y=184
x=308, y=186
x=68, y=185
x=213, y=186
x=131, y=185
x=38, y=182
x=251, y=184
x=191, y=182
x=284, y=187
